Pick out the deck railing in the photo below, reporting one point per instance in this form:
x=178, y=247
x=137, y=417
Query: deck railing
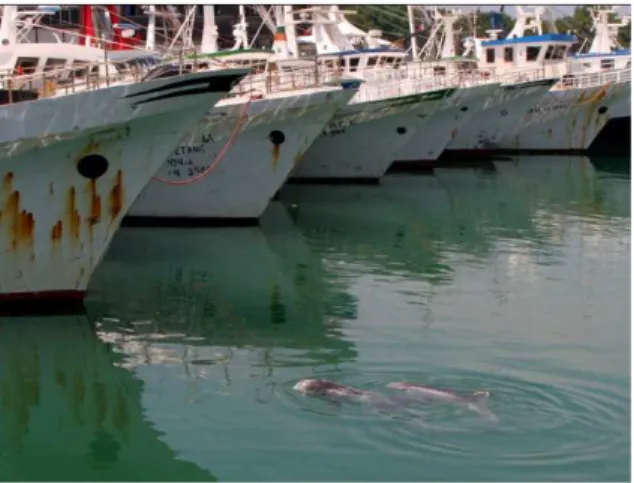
x=408, y=79
x=64, y=81
x=594, y=79
x=68, y=80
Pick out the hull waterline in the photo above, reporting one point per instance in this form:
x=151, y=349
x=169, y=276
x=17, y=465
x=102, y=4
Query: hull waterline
x=443, y=126
x=500, y=115
x=362, y=140
x=567, y=121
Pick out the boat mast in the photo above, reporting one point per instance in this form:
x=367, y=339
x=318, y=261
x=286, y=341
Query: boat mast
x=412, y=31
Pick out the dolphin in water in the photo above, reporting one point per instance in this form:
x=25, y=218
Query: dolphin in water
x=337, y=393
x=474, y=401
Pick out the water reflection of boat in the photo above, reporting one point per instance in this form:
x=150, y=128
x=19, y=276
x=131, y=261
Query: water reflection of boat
x=415, y=222
x=566, y=185
x=220, y=286
x=365, y=224
x=69, y=412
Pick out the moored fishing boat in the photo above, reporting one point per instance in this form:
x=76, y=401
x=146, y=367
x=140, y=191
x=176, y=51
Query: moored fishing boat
x=570, y=117
x=72, y=166
x=590, y=106
x=229, y=168
x=566, y=119
x=362, y=139
x=428, y=144
x=438, y=58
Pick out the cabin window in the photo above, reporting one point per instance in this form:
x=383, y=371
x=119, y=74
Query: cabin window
x=558, y=52
x=508, y=54
x=54, y=64
x=203, y=65
x=490, y=56
x=389, y=61
x=439, y=71
x=372, y=61
x=629, y=63
x=549, y=52
x=354, y=64
x=607, y=64
x=397, y=63
x=532, y=53
x=80, y=68
x=27, y=64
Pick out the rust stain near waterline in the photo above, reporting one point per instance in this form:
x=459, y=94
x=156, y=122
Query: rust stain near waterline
x=74, y=220
x=20, y=223
x=95, y=203
x=56, y=233
x=115, y=198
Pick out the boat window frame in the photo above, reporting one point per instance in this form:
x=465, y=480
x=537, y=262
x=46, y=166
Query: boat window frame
x=509, y=58
x=80, y=69
x=559, y=52
x=52, y=64
x=531, y=56
x=354, y=63
x=603, y=65
x=19, y=62
x=549, y=52
x=489, y=55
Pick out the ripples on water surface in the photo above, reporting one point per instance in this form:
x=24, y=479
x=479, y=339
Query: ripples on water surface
x=513, y=279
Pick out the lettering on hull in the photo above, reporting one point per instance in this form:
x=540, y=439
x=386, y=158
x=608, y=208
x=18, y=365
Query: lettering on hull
x=182, y=166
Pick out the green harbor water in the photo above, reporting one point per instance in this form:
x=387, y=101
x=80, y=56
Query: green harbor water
x=512, y=278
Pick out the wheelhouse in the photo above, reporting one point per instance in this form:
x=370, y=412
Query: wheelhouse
x=525, y=52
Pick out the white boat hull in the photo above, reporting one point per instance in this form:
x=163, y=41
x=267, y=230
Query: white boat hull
x=444, y=125
x=362, y=140
x=63, y=196
x=275, y=133
x=568, y=120
x=500, y=115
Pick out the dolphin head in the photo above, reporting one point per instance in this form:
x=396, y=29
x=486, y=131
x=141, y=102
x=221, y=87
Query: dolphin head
x=326, y=388
x=307, y=386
